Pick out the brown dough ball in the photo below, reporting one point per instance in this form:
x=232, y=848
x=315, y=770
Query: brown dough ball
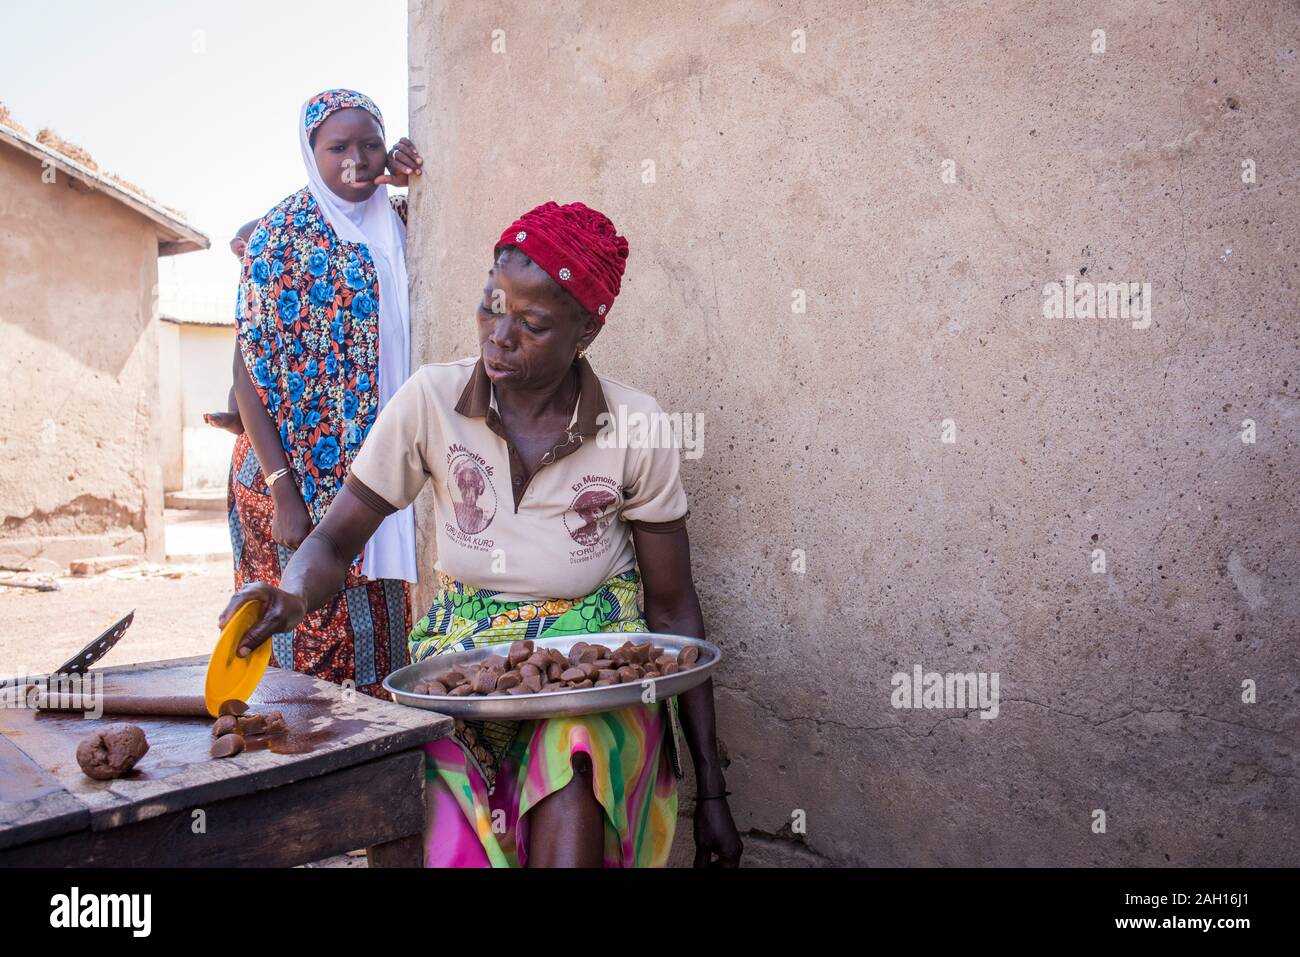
x=484, y=682
x=233, y=706
x=226, y=724
x=251, y=724
x=227, y=746
x=275, y=723
x=111, y=752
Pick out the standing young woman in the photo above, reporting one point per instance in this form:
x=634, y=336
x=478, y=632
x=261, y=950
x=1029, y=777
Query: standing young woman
x=323, y=343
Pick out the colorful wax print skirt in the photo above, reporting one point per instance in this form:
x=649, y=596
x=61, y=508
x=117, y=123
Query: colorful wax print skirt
x=360, y=636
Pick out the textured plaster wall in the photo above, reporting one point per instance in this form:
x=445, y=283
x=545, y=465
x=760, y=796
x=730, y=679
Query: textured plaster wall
x=823, y=171
x=80, y=446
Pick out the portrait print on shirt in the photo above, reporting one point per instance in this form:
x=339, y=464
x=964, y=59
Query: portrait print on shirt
x=590, y=515
x=470, y=488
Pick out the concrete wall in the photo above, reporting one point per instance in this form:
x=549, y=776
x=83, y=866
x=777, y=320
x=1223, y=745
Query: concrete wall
x=823, y=171
x=80, y=470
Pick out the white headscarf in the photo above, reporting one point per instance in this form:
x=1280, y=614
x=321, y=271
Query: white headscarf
x=391, y=552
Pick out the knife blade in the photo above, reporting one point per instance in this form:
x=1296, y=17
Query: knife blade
x=80, y=663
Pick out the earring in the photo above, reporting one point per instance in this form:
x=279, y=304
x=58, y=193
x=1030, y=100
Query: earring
x=582, y=353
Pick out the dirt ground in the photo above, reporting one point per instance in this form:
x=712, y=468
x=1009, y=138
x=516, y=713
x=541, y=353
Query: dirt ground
x=176, y=607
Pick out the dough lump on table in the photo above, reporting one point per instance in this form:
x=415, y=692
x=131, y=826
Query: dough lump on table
x=111, y=752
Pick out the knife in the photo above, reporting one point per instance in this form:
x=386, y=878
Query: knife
x=80, y=663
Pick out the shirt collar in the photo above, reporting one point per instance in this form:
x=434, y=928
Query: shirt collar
x=478, y=398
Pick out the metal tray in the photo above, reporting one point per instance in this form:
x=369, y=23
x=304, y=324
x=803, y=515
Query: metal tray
x=550, y=704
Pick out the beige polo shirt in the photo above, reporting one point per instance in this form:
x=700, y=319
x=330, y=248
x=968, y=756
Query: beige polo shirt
x=558, y=534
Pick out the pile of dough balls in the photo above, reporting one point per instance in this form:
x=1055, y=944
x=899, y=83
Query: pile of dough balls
x=234, y=723
x=525, y=670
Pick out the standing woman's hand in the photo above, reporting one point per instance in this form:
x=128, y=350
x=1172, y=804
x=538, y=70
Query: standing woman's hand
x=404, y=160
x=291, y=524
x=226, y=421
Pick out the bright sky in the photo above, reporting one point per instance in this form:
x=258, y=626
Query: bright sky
x=197, y=102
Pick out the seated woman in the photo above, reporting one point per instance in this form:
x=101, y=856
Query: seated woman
x=584, y=518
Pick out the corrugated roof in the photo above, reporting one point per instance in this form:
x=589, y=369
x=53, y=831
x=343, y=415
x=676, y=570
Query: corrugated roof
x=175, y=235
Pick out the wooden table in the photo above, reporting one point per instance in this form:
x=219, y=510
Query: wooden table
x=349, y=774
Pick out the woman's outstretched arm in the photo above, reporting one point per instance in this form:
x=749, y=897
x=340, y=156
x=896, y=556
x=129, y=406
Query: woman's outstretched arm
x=313, y=576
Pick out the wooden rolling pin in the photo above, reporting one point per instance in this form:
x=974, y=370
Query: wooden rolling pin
x=111, y=702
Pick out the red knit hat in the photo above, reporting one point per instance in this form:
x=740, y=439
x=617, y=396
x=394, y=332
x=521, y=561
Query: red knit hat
x=578, y=247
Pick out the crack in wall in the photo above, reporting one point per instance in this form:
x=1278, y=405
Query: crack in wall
x=1096, y=723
